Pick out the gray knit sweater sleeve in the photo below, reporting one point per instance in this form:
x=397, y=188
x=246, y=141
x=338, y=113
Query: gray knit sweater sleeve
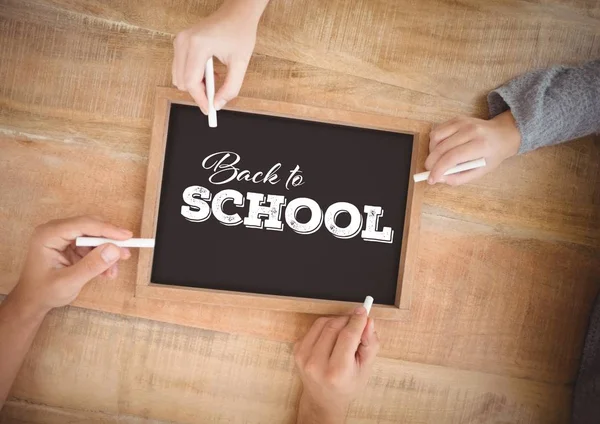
x=552, y=105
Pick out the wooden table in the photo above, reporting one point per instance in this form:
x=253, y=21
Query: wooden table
x=507, y=267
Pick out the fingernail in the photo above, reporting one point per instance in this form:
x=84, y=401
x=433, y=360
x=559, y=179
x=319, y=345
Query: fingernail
x=110, y=253
x=203, y=111
x=360, y=310
x=430, y=181
x=219, y=104
x=443, y=180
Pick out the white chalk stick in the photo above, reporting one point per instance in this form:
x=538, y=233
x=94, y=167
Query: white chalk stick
x=97, y=241
x=209, y=78
x=368, y=303
x=465, y=166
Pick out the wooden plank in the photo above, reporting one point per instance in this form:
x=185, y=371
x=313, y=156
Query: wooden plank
x=401, y=43
x=549, y=194
x=128, y=64
x=489, y=298
x=139, y=368
x=22, y=412
x=53, y=108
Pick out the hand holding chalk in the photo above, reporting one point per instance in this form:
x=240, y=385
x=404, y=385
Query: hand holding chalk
x=462, y=139
x=335, y=359
x=229, y=35
x=53, y=277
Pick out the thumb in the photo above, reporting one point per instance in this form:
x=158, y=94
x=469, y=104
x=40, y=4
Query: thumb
x=236, y=71
x=92, y=264
x=369, y=345
x=349, y=338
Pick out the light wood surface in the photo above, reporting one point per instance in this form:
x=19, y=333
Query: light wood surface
x=145, y=287
x=506, y=269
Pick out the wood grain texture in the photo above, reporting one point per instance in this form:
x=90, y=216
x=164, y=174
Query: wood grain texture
x=507, y=267
x=141, y=369
x=453, y=287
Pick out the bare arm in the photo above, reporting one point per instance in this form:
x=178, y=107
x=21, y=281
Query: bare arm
x=335, y=359
x=54, y=273
x=19, y=324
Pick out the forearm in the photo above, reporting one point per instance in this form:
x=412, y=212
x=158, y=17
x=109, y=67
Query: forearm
x=251, y=9
x=19, y=324
x=310, y=412
x=552, y=105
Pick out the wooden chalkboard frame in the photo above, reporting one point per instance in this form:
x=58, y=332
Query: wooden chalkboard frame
x=145, y=288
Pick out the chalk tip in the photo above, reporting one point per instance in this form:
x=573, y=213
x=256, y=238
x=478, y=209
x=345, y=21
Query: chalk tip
x=212, y=119
x=368, y=303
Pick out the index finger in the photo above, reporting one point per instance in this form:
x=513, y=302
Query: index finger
x=194, y=74
x=442, y=132
x=349, y=338
x=60, y=233
x=460, y=154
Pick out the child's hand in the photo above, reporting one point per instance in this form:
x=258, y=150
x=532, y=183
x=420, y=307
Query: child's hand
x=55, y=270
x=228, y=34
x=335, y=359
x=462, y=139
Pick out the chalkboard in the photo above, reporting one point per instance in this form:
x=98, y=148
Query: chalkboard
x=280, y=206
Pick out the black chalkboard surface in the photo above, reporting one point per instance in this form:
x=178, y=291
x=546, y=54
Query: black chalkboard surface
x=308, y=254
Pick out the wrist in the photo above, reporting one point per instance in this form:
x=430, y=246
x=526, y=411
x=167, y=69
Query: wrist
x=248, y=11
x=311, y=412
x=24, y=307
x=511, y=133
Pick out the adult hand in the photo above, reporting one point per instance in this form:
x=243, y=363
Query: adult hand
x=462, y=139
x=335, y=359
x=229, y=34
x=55, y=270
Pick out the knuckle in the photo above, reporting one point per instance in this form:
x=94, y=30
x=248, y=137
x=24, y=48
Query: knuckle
x=451, y=158
x=334, y=378
x=312, y=368
x=463, y=119
x=433, y=137
x=469, y=127
x=179, y=39
x=486, y=144
x=40, y=229
x=38, y=234
x=321, y=320
x=430, y=161
x=331, y=326
x=196, y=39
x=335, y=324
x=346, y=335
x=233, y=93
